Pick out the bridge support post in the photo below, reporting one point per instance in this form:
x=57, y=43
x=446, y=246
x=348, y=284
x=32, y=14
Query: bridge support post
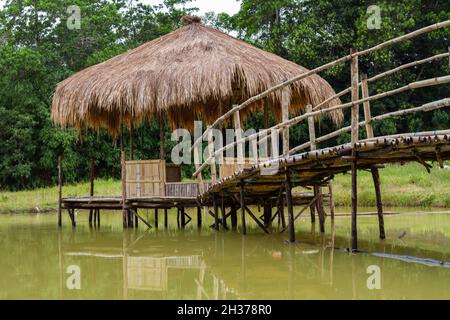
x=267, y=214
x=224, y=213
x=156, y=218
x=124, y=189
x=216, y=213
x=290, y=207
x=242, y=201
x=355, y=139
x=60, y=191
x=234, y=218
x=320, y=209
x=199, y=217
x=376, y=182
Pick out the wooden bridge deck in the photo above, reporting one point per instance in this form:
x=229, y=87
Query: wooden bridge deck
x=317, y=167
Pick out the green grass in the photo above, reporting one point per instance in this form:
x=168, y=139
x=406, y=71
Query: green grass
x=402, y=186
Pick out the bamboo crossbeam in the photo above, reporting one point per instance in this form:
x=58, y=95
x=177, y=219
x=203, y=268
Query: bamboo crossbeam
x=424, y=108
x=329, y=65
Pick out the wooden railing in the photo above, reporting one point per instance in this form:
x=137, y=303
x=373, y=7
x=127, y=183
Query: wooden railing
x=317, y=111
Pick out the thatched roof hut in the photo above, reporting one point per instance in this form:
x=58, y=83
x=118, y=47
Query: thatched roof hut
x=187, y=75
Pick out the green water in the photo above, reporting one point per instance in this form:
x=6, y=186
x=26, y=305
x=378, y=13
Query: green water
x=35, y=258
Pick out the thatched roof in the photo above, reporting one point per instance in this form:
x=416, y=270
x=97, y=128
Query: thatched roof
x=185, y=74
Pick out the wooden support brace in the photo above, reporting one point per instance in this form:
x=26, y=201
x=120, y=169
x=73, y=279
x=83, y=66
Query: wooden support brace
x=242, y=203
x=288, y=187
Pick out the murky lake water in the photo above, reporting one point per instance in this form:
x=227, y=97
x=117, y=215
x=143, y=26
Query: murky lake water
x=35, y=258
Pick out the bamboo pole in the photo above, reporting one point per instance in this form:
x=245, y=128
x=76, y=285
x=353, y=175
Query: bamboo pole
x=376, y=182
x=242, y=201
x=312, y=129
x=318, y=194
x=331, y=197
x=60, y=184
x=285, y=101
x=324, y=67
x=355, y=138
x=92, y=178
x=212, y=158
x=124, y=188
x=240, y=146
x=367, y=113
x=288, y=188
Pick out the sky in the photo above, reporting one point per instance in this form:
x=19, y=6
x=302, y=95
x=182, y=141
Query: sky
x=217, y=6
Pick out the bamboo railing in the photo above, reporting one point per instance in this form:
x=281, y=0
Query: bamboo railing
x=316, y=111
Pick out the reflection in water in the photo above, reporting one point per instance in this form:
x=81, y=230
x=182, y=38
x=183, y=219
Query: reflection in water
x=209, y=265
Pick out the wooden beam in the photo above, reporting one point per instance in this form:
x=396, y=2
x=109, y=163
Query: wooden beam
x=60, y=183
x=285, y=102
x=242, y=202
x=288, y=188
x=367, y=112
x=124, y=188
x=213, y=158
x=376, y=182
x=239, y=136
x=355, y=97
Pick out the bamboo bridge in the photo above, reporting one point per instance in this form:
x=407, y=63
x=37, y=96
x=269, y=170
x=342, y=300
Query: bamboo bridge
x=270, y=182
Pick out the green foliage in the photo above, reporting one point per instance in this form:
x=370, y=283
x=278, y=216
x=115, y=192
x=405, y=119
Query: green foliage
x=37, y=51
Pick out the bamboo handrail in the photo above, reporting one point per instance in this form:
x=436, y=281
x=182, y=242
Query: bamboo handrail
x=293, y=121
x=266, y=93
x=424, y=108
x=383, y=75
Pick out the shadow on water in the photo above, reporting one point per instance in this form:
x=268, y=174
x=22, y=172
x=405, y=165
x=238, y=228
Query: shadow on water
x=169, y=264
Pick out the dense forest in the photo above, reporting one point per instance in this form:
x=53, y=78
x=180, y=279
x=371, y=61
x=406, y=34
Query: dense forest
x=38, y=50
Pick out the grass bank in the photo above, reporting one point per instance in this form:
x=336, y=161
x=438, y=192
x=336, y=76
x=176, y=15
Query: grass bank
x=402, y=186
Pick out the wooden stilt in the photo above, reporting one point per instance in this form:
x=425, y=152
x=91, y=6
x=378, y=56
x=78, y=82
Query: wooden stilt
x=376, y=182
x=92, y=188
x=267, y=214
x=313, y=213
x=98, y=217
x=178, y=217
x=72, y=217
x=290, y=207
x=216, y=212
x=124, y=188
x=234, y=218
x=354, y=205
x=242, y=201
x=199, y=217
x=355, y=139
x=156, y=218
x=183, y=218
x=166, y=219
x=136, y=219
x=60, y=183
x=331, y=199
x=319, y=205
x=224, y=214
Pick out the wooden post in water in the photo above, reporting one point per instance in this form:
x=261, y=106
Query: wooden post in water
x=320, y=209
x=224, y=213
x=288, y=188
x=124, y=189
x=183, y=218
x=331, y=198
x=375, y=171
x=92, y=188
x=216, y=212
x=60, y=183
x=233, y=217
x=199, y=217
x=166, y=219
x=242, y=200
x=156, y=218
x=312, y=128
x=355, y=139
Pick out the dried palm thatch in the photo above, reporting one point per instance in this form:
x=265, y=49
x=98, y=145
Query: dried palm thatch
x=194, y=73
